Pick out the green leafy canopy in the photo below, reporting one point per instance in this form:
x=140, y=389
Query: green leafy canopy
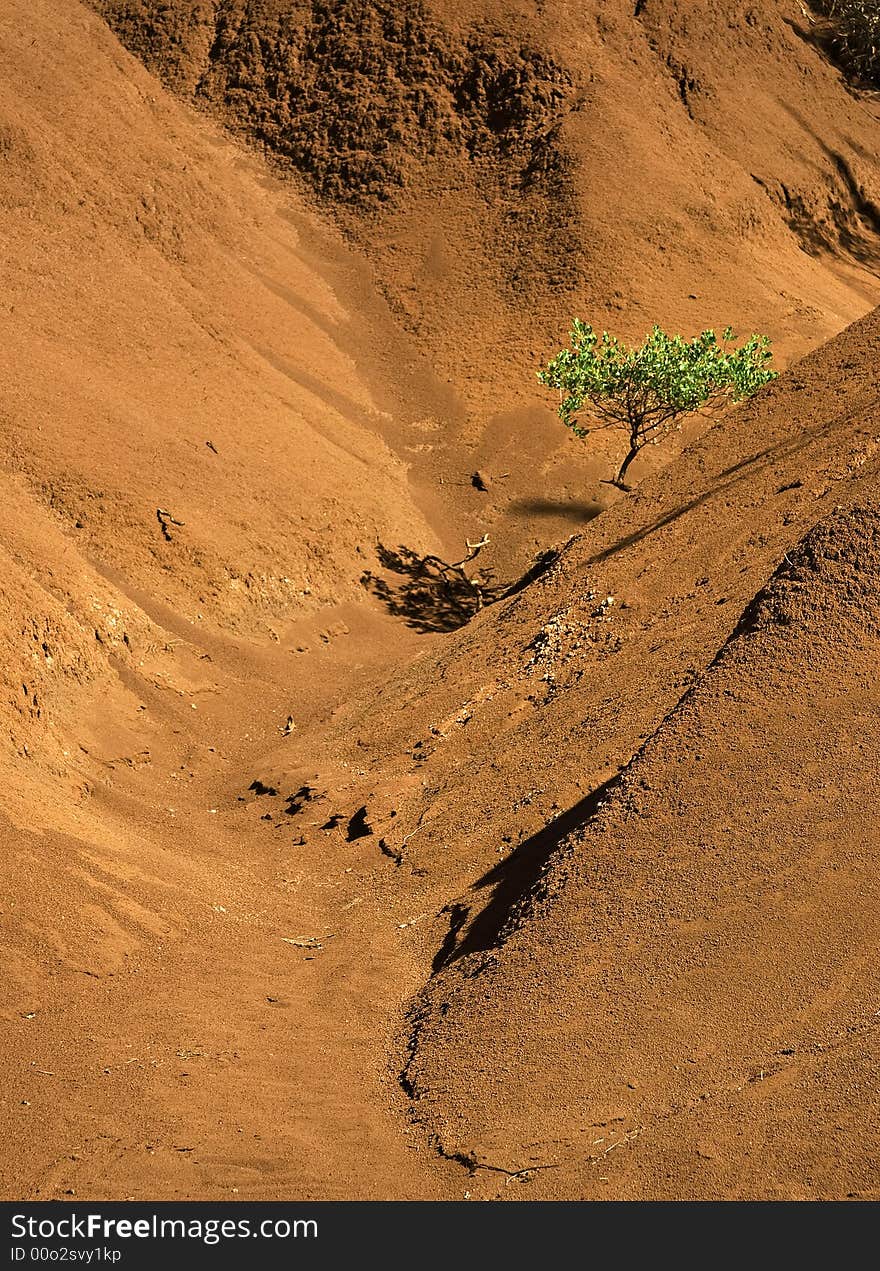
x=647, y=388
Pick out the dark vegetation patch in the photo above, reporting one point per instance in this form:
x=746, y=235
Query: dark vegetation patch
x=353, y=93
x=849, y=31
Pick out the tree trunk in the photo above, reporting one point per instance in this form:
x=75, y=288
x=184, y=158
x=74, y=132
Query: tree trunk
x=619, y=479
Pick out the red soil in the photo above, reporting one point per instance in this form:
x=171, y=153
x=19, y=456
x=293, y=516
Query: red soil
x=303, y=897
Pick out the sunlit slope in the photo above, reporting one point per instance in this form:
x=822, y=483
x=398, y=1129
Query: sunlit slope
x=504, y=164
x=685, y=1003
x=174, y=347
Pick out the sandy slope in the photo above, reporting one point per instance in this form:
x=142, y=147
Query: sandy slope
x=496, y=751
x=503, y=165
x=160, y=293
x=164, y=294
x=214, y=922
x=685, y=1003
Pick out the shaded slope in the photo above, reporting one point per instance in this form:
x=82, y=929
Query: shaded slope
x=196, y=424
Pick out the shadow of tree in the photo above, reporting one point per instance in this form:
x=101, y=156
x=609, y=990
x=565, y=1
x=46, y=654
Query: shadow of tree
x=564, y=510
x=428, y=599
x=750, y=467
x=511, y=882
x=436, y=596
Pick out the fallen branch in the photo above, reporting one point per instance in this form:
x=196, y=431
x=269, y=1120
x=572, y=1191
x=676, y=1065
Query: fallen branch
x=165, y=519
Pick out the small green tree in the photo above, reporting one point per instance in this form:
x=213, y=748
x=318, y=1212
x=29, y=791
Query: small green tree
x=646, y=389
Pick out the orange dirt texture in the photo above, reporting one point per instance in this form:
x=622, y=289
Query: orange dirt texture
x=326, y=871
